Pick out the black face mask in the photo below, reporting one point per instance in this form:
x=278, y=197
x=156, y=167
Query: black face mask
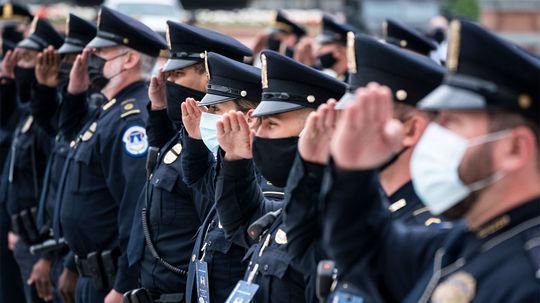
x=176, y=94
x=63, y=73
x=438, y=35
x=327, y=60
x=95, y=72
x=392, y=160
x=24, y=79
x=274, y=158
x=274, y=44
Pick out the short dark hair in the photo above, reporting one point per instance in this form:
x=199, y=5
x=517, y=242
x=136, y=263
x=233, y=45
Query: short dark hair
x=244, y=105
x=499, y=120
x=199, y=68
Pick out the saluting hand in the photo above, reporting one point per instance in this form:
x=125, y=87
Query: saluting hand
x=234, y=136
x=79, y=81
x=9, y=62
x=157, y=92
x=367, y=135
x=191, y=117
x=303, y=52
x=314, y=144
x=48, y=62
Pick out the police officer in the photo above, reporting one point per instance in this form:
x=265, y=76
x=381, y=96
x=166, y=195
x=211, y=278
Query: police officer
x=377, y=62
x=331, y=53
x=14, y=19
x=52, y=72
x=105, y=166
x=169, y=212
x=232, y=86
x=290, y=92
x=478, y=160
x=28, y=157
x=281, y=36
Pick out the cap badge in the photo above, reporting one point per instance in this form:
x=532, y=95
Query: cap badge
x=351, y=53
x=264, y=75
x=453, y=46
x=401, y=95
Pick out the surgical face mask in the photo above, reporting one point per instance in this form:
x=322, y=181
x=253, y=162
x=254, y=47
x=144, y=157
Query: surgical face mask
x=96, y=65
x=327, y=60
x=24, y=79
x=274, y=158
x=435, y=167
x=208, y=130
x=176, y=94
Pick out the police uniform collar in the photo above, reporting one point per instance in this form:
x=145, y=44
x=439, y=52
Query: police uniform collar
x=525, y=212
x=126, y=91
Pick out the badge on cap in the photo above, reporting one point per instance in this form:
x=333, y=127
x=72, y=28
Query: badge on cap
x=135, y=141
x=8, y=10
x=453, y=46
x=33, y=25
x=458, y=288
x=351, y=53
x=264, y=72
x=206, y=67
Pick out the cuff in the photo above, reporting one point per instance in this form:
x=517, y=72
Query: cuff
x=237, y=168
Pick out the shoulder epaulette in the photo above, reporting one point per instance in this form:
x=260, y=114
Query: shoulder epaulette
x=128, y=108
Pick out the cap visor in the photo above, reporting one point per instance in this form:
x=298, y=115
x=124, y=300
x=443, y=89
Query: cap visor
x=324, y=39
x=99, y=42
x=346, y=99
x=29, y=44
x=7, y=23
x=174, y=64
x=67, y=48
x=446, y=97
x=267, y=108
x=211, y=99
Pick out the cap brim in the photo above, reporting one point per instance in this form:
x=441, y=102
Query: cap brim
x=7, y=23
x=211, y=99
x=267, y=108
x=174, y=64
x=446, y=97
x=68, y=48
x=99, y=42
x=324, y=39
x=29, y=44
x=346, y=99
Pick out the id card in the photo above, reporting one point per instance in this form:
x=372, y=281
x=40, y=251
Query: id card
x=203, y=289
x=345, y=297
x=243, y=292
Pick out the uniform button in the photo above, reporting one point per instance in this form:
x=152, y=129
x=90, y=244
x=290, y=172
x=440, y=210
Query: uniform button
x=265, y=268
x=250, y=263
x=209, y=243
x=193, y=258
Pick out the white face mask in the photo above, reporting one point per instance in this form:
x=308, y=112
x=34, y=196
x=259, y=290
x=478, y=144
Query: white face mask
x=208, y=130
x=435, y=167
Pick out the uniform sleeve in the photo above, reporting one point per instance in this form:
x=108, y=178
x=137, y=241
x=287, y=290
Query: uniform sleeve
x=69, y=261
x=159, y=127
x=301, y=216
x=8, y=101
x=44, y=107
x=240, y=200
x=123, y=163
x=72, y=114
x=198, y=166
x=356, y=227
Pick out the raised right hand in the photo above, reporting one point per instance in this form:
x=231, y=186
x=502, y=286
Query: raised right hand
x=79, y=81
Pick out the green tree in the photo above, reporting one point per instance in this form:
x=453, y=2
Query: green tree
x=465, y=8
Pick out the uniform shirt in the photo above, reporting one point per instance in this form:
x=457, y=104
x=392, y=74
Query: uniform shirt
x=103, y=177
x=240, y=202
x=174, y=216
x=223, y=257
x=496, y=264
x=406, y=206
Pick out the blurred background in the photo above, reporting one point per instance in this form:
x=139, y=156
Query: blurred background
x=517, y=20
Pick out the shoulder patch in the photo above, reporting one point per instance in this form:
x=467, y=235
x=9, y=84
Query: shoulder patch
x=135, y=141
x=458, y=288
